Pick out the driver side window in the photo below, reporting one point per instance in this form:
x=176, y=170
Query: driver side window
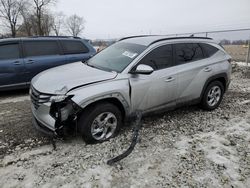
x=159, y=58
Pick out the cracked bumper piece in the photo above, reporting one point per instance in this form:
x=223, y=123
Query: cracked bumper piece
x=41, y=128
x=42, y=120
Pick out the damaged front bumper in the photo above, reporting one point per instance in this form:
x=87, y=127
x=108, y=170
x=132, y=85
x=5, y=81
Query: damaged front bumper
x=42, y=116
x=42, y=128
x=51, y=118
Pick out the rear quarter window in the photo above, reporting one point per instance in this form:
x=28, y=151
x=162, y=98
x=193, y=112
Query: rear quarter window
x=74, y=47
x=208, y=49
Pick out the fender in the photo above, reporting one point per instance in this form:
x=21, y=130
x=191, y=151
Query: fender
x=116, y=95
x=217, y=76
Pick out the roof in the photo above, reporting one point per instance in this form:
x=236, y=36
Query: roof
x=147, y=40
x=39, y=37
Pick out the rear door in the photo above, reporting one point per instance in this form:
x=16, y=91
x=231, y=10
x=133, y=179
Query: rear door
x=11, y=65
x=75, y=50
x=41, y=55
x=192, y=70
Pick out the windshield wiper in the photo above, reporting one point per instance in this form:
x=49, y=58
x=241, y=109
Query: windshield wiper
x=97, y=67
x=86, y=63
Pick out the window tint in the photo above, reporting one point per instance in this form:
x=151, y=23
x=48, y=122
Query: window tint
x=187, y=52
x=41, y=48
x=209, y=49
x=9, y=51
x=74, y=47
x=159, y=58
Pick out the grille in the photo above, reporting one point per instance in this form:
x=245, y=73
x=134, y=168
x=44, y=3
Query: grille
x=38, y=98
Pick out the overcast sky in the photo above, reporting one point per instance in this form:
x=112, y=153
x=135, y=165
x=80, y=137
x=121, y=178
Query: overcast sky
x=118, y=18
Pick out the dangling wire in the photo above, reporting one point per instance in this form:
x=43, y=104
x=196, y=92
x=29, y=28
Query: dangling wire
x=134, y=141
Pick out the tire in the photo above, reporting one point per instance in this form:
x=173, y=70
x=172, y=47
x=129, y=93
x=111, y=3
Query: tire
x=214, y=92
x=98, y=119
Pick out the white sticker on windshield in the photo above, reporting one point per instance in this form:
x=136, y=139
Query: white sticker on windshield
x=130, y=54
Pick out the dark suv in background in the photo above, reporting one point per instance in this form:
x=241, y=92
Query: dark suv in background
x=23, y=58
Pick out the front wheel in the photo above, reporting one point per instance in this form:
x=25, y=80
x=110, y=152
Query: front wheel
x=212, y=96
x=100, y=122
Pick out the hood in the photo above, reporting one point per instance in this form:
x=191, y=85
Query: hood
x=69, y=76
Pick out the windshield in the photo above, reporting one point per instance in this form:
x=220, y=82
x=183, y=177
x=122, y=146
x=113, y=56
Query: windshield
x=116, y=57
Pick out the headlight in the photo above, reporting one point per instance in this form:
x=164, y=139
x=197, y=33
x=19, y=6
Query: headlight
x=58, y=98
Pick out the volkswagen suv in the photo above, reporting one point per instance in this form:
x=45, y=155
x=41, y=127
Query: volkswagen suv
x=143, y=73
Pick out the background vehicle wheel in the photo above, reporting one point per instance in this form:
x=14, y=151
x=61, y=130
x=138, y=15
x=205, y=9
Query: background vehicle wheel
x=212, y=96
x=100, y=122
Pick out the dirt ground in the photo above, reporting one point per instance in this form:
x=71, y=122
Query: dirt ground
x=187, y=147
x=238, y=52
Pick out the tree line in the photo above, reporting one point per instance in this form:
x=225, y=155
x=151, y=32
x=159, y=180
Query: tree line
x=234, y=42
x=34, y=18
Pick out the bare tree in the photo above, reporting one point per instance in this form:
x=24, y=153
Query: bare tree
x=75, y=25
x=58, y=23
x=40, y=13
x=39, y=22
x=26, y=29
x=28, y=21
x=10, y=11
x=47, y=24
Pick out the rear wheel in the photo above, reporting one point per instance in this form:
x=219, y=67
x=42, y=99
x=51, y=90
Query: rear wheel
x=100, y=122
x=212, y=96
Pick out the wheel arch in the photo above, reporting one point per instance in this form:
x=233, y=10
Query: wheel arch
x=115, y=99
x=222, y=77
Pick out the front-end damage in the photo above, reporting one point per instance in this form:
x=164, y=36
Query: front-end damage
x=65, y=114
x=53, y=114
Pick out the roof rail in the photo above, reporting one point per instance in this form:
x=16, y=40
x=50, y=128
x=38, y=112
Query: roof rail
x=136, y=36
x=173, y=38
x=162, y=39
x=54, y=37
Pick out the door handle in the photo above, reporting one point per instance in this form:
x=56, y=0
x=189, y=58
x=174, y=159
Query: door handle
x=17, y=63
x=30, y=61
x=207, y=69
x=169, y=79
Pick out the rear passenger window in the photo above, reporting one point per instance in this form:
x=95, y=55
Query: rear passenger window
x=159, y=58
x=209, y=49
x=187, y=52
x=9, y=51
x=74, y=47
x=41, y=48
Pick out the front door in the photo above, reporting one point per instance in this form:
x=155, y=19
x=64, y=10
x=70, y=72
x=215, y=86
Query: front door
x=157, y=90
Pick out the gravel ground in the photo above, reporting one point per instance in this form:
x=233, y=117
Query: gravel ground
x=187, y=147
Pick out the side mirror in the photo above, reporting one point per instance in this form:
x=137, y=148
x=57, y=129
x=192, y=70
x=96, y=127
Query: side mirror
x=143, y=69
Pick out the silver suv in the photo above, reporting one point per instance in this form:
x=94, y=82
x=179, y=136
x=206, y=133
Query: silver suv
x=146, y=73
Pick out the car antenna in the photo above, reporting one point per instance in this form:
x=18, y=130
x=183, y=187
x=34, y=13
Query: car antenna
x=136, y=129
